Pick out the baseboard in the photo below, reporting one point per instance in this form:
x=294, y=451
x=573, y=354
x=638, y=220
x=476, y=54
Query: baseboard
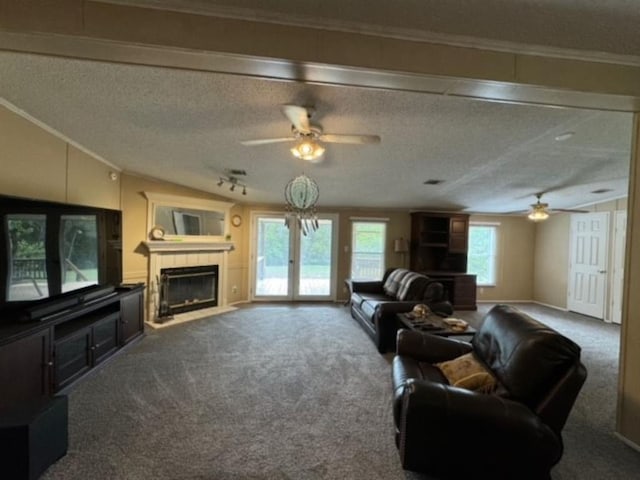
x=505, y=301
x=550, y=306
x=191, y=316
x=525, y=301
x=627, y=442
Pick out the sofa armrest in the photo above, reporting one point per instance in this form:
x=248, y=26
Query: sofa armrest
x=430, y=348
x=434, y=291
x=394, y=306
x=366, y=287
x=442, y=422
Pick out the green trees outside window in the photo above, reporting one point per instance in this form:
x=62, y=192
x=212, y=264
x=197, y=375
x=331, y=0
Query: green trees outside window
x=481, y=260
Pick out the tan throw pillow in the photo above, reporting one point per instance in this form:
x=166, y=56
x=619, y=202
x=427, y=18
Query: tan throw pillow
x=467, y=372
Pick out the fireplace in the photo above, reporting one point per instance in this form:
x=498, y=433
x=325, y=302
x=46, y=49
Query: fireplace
x=183, y=289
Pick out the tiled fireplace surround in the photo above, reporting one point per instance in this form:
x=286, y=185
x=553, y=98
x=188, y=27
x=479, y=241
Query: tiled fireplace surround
x=170, y=254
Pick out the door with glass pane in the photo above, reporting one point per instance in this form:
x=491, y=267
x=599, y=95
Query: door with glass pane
x=288, y=265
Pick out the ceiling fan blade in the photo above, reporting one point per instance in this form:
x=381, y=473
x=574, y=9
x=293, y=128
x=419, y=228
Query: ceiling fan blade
x=569, y=210
x=298, y=116
x=265, y=141
x=353, y=139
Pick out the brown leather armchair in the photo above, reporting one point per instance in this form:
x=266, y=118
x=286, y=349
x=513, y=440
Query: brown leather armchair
x=515, y=432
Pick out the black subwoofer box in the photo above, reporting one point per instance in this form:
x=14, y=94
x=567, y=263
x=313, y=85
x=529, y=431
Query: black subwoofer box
x=32, y=437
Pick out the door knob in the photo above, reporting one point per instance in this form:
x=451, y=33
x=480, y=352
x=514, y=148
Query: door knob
x=602, y=271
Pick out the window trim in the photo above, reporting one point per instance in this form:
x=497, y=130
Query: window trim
x=496, y=228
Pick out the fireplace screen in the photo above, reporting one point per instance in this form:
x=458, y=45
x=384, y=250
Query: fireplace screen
x=188, y=288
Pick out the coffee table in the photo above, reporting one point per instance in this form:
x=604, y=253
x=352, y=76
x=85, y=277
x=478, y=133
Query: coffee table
x=433, y=325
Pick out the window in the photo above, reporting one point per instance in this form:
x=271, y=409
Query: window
x=482, y=253
x=367, y=250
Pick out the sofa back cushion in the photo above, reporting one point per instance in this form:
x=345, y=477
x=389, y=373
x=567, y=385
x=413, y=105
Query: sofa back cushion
x=528, y=358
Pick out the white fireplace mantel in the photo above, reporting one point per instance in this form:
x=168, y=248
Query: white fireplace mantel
x=157, y=246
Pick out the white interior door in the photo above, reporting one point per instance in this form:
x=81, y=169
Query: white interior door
x=588, y=263
x=617, y=276
x=288, y=265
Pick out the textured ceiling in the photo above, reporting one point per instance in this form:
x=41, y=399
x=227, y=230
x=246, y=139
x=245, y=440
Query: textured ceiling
x=586, y=25
x=186, y=127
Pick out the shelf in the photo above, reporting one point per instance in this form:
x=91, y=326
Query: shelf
x=67, y=329
x=434, y=244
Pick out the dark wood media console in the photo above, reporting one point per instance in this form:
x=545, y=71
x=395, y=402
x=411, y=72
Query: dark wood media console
x=41, y=358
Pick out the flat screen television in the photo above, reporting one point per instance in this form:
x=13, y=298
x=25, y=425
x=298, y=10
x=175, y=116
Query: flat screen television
x=54, y=251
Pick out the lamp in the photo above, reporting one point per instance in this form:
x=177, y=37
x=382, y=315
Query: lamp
x=538, y=213
x=401, y=246
x=301, y=195
x=308, y=149
x=233, y=181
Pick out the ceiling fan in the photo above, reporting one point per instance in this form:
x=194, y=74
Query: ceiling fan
x=540, y=211
x=308, y=137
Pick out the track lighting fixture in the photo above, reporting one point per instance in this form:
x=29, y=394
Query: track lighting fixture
x=233, y=182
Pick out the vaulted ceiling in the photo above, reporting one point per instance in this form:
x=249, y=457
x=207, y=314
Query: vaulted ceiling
x=186, y=126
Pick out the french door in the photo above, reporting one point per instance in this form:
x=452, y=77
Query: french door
x=287, y=265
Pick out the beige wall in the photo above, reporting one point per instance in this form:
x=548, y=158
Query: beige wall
x=134, y=230
x=515, y=245
x=552, y=260
x=551, y=272
x=37, y=164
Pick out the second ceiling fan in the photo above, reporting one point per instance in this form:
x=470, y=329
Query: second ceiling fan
x=308, y=137
x=540, y=211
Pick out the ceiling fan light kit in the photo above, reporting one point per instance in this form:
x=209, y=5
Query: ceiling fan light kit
x=538, y=214
x=308, y=149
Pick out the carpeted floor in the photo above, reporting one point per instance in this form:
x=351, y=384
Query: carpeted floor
x=290, y=392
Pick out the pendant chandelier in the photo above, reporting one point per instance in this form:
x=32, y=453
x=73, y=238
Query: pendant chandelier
x=302, y=194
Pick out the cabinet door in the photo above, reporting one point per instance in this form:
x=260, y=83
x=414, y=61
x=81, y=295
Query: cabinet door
x=104, y=338
x=72, y=357
x=458, y=232
x=131, y=317
x=465, y=292
x=25, y=369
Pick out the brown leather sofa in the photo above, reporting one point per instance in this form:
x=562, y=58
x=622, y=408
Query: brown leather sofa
x=450, y=432
x=375, y=304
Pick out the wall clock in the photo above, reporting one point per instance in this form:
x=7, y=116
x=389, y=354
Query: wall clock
x=236, y=220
